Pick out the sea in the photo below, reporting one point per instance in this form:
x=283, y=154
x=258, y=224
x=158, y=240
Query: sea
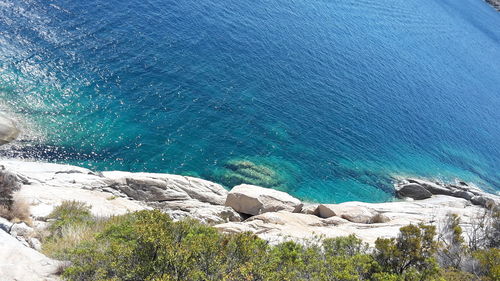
x=328, y=100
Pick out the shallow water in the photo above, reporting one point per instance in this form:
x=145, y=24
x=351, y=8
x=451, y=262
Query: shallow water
x=324, y=99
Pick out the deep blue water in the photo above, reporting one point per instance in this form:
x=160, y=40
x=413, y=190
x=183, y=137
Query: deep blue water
x=328, y=100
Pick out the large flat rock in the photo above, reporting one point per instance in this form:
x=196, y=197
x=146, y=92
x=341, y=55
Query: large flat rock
x=255, y=200
x=46, y=185
x=359, y=214
x=18, y=262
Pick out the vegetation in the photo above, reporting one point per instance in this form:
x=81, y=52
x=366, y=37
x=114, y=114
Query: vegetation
x=148, y=245
x=13, y=209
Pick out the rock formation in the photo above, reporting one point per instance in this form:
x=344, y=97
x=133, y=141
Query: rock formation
x=421, y=189
x=256, y=200
x=19, y=262
x=272, y=215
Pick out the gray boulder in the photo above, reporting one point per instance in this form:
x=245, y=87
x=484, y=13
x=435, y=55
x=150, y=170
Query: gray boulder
x=256, y=200
x=434, y=188
x=413, y=190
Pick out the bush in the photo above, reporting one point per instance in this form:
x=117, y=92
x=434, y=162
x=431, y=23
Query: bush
x=69, y=213
x=8, y=184
x=489, y=261
x=148, y=245
x=72, y=223
x=411, y=254
x=19, y=211
x=453, y=249
x=10, y=208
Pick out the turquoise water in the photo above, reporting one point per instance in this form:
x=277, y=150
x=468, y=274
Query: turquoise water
x=327, y=100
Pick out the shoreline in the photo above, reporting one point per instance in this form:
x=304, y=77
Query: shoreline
x=271, y=215
x=10, y=130
x=184, y=196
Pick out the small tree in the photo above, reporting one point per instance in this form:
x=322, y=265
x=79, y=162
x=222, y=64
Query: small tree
x=411, y=253
x=452, y=243
x=8, y=184
x=489, y=261
x=485, y=229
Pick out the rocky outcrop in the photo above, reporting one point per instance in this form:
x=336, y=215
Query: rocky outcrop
x=46, y=185
x=281, y=226
x=413, y=190
x=178, y=196
x=256, y=200
x=421, y=189
x=358, y=214
x=8, y=130
x=22, y=263
x=270, y=214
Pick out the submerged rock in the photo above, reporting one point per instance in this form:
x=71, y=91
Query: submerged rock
x=246, y=172
x=8, y=130
x=256, y=200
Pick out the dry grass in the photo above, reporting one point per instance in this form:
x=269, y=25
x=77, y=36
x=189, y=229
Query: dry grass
x=71, y=236
x=18, y=212
x=379, y=218
x=73, y=225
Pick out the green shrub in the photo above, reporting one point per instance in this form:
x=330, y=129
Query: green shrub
x=72, y=223
x=489, y=261
x=411, y=254
x=69, y=213
x=148, y=245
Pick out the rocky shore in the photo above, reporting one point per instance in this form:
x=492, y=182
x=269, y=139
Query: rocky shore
x=272, y=215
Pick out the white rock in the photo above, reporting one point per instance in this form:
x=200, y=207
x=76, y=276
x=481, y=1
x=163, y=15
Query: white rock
x=281, y=226
x=357, y=214
x=35, y=243
x=255, y=200
x=21, y=263
x=171, y=187
x=48, y=185
x=178, y=196
x=21, y=229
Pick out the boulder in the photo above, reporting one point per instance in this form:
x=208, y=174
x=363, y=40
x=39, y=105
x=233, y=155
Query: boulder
x=255, y=200
x=166, y=187
x=434, y=188
x=21, y=229
x=463, y=194
x=310, y=209
x=8, y=130
x=18, y=262
x=413, y=190
x=356, y=214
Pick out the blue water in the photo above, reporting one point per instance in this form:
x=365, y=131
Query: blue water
x=327, y=100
